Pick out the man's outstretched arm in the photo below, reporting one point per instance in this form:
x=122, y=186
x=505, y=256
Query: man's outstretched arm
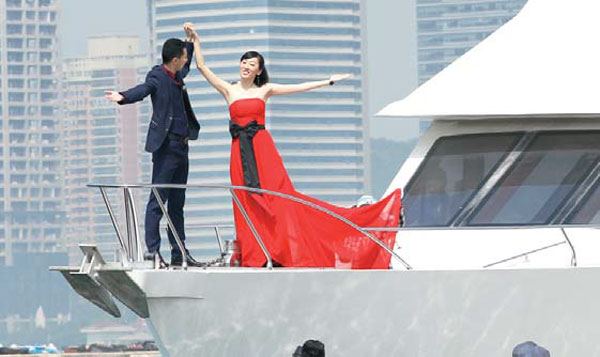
x=134, y=94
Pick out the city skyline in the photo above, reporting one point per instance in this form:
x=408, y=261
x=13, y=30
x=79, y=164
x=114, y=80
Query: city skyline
x=31, y=177
x=102, y=142
x=390, y=48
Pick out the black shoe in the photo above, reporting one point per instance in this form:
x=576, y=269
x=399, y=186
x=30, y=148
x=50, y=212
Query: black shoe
x=191, y=262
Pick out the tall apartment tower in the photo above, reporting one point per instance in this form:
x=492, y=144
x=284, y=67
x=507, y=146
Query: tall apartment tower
x=31, y=213
x=322, y=135
x=449, y=28
x=102, y=141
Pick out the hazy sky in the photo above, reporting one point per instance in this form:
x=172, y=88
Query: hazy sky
x=391, y=66
x=84, y=18
x=390, y=41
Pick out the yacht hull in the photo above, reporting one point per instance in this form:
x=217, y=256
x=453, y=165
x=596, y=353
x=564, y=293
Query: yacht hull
x=257, y=312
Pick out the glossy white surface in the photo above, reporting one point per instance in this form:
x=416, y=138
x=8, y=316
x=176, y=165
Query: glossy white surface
x=255, y=312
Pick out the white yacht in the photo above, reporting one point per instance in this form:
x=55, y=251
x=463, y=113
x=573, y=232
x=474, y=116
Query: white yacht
x=501, y=199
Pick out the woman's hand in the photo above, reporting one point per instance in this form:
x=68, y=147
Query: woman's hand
x=190, y=31
x=219, y=84
x=339, y=77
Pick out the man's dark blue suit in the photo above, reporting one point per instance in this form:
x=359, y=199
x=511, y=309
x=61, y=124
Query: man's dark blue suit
x=173, y=123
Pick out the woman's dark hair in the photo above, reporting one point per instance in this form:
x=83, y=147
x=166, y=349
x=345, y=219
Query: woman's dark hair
x=172, y=48
x=263, y=77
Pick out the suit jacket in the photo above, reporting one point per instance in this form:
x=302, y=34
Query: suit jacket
x=157, y=86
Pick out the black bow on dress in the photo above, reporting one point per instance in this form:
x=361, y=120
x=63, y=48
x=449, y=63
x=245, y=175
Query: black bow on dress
x=245, y=135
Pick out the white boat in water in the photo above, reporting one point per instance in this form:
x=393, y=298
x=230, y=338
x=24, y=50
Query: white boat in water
x=501, y=198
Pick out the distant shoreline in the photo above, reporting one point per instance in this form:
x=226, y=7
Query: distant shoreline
x=91, y=354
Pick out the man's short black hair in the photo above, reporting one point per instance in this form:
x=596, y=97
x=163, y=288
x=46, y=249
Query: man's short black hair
x=172, y=48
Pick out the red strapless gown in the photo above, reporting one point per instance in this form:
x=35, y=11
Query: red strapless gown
x=297, y=235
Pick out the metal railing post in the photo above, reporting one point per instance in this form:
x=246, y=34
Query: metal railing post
x=134, y=226
x=254, y=232
x=219, y=241
x=573, y=254
x=128, y=228
x=114, y=221
x=171, y=226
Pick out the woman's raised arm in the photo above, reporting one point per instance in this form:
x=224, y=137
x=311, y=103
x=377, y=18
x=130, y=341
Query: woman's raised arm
x=281, y=89
x=219, y=84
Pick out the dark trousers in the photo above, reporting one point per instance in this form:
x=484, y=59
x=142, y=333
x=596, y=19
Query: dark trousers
x=170, y=164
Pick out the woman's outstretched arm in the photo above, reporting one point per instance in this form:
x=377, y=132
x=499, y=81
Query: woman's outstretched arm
x=219, y=84
x=281, y=89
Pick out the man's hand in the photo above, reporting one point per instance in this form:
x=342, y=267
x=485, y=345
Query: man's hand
x=190, y=31
x=113, y=96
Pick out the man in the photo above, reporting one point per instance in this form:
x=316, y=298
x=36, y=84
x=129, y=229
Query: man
x=173, y=123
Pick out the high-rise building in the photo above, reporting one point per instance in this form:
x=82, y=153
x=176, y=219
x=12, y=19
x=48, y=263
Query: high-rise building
x=31, y=213
x=447, y=29
x=322, y=135
x=102, y=141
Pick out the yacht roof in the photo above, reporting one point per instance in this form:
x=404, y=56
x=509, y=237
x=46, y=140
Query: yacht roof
x=544, y=62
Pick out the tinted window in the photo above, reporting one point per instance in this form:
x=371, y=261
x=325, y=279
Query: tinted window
x=589, y=211
x=542, y=180
x=451, y=173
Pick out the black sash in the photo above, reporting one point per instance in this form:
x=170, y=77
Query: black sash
x=245, y=135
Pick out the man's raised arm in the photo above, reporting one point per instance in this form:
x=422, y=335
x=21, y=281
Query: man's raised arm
x=189, y=29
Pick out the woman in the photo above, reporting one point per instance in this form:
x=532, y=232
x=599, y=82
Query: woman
x=294, y=234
